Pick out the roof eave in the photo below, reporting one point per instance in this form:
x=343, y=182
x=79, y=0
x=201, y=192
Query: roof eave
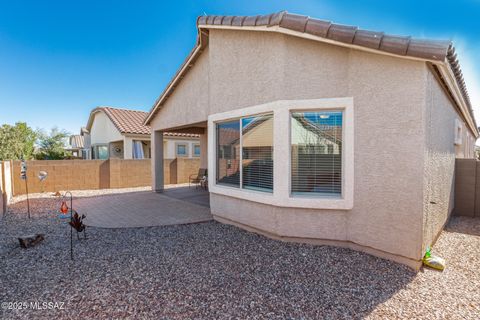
x=202, y=41
x=437, y=52
x=457, y=92
x=198, y=49
x=91, y=117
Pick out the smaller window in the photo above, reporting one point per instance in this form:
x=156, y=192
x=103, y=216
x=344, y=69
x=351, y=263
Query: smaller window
x=100, y=152
x=182, y=150
x=196, y=150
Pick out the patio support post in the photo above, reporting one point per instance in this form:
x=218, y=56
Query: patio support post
x=127, y=148
x=204, y=150
x=157, y=161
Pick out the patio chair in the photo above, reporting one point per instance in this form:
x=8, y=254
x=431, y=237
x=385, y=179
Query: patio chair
x=196, y=178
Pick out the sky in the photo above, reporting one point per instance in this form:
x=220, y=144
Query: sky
x=61, y=59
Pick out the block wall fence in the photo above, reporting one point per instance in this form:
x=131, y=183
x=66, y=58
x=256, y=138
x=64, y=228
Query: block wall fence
x=6, y=184
x=89, y=174
x=467, y=188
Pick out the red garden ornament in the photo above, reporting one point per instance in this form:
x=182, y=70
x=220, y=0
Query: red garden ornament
x=76, y=221
x=64, y=208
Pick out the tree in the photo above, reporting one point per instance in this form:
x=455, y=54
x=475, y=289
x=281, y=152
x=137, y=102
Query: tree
x=51, y=146
x=17, y=142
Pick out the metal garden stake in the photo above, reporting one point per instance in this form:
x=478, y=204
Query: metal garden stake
x=23, y=176
x=64, y=210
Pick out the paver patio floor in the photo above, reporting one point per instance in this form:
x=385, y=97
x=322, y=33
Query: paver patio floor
x=145, y=209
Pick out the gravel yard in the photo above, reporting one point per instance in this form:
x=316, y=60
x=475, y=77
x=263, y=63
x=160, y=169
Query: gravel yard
x=211, y=270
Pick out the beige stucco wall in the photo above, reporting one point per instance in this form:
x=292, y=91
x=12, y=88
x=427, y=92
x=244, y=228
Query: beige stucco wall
x=170, y=147
x=246, y=68
x=440, y=153
x=385, y=214
x=103, y=130
x=192, y=104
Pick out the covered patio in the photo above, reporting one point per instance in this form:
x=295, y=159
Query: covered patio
x=176, y=205
x=158, y=155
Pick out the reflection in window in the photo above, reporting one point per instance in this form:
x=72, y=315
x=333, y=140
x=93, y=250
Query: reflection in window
x=257, y=153
x=316, y=153
x=228, y=153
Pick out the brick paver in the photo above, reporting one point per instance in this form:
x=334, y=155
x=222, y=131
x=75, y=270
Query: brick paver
x=143, y=209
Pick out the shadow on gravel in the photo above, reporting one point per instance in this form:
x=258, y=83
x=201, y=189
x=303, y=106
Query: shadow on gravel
x=466, y=225
x=207, y=270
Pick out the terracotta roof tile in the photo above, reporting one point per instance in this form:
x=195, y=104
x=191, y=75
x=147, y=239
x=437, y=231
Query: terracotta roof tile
x=77, y=141
x=426, y=49
x=127, y=121
x=131, y=122
x=176, y=134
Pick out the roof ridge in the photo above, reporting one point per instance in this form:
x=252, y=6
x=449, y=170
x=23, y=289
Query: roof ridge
x=117, y=108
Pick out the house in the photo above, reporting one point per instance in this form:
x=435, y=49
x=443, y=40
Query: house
x=120, y=133
x=79, y=144
x=322, y=133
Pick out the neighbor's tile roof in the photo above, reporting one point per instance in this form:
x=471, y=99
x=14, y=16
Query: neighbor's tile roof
x=127, y=121
x=77, y=141
x=131, y=121
x=433, y=50
x=177, y=134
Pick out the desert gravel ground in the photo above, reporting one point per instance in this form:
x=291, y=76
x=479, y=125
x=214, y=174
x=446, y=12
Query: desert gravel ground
x=215, y=271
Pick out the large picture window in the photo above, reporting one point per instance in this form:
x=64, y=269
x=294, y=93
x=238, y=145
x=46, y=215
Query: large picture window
x=248, y=141
x=286, y=153
x=316, y=153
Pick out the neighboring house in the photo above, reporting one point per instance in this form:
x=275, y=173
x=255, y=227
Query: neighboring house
x=79, y=144
x=120, y=133
x=322, y=133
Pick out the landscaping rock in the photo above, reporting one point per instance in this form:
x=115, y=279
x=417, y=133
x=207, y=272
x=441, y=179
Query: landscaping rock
x=215, y=271
x=31, y=240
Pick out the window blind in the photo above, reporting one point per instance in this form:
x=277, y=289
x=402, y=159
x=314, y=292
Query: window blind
x=228, y=153
x=316, y=153
x=257, y=153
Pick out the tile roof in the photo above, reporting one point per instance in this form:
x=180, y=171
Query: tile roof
x=127, y=121
x=437, y=50
x=431, y=50
x=77, y=141
x=182, y=135
x=407, y=46
x=131, y=122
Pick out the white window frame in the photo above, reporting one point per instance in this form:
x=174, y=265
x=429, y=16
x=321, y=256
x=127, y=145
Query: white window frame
x=281, y=195
x=240, y=186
